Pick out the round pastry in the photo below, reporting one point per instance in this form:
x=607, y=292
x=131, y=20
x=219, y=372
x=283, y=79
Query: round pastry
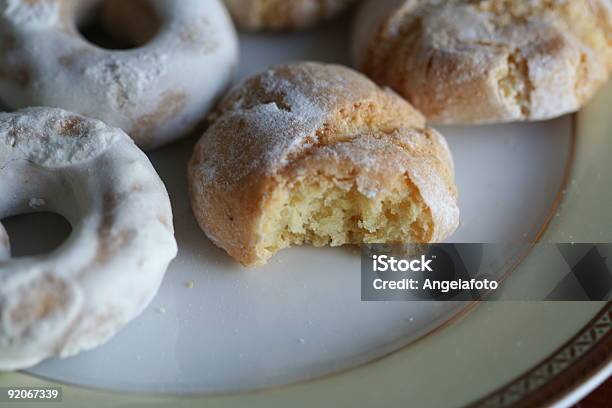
x=105, y=274
x=318, y=154
x=256, y=15
x=480, y=61
x=156, y=92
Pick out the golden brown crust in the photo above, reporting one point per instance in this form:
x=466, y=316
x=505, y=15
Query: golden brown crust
x=302, y=117
x=275, y=15
x=475, y=61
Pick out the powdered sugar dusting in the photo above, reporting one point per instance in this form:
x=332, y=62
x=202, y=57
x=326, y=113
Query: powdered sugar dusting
x=53, y=137
x=126, y=80
x=278, y=118
x=273, y=134
x=34, y=12
x=275, y=116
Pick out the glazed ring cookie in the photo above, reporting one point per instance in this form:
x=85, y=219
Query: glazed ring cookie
x=256, y=15
x=318, y=154
x=156, y=93
x=81, y=294
x=479, y=61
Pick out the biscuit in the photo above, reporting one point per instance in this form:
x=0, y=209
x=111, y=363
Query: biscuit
x=317, y=154
x=486, y=61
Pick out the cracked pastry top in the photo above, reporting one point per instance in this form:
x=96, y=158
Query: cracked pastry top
x=310, y=153
x=486, y=61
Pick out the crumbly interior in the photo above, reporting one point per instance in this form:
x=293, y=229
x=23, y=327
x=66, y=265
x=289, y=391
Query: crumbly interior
x=585, y=21
x=515, y=85
x=322, y=211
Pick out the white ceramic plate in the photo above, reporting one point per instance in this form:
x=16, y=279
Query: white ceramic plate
x=300, y=317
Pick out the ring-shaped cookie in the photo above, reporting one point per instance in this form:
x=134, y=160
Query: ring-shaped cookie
x=122, y=240
x=156, y=93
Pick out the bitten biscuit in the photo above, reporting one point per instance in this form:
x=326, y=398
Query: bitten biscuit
x=318, y=154
x=484, y=61
x=278, y=15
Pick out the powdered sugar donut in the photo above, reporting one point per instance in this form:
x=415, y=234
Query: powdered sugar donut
x=157, y=92
x=122, y=240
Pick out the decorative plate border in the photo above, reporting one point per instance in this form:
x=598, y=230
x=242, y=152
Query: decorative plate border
x=564, y=371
